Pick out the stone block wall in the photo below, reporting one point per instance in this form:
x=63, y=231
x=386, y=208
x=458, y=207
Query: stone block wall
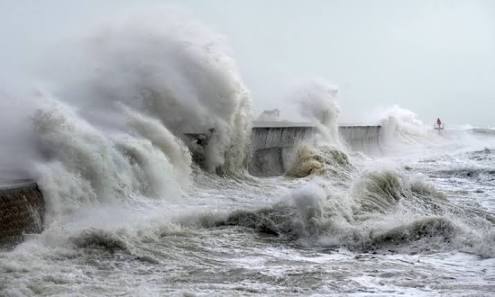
x=21, y=211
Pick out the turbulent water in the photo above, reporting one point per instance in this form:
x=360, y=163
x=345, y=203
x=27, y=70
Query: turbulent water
x=130, y=214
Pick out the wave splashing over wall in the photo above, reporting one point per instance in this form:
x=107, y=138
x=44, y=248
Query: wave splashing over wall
x=317, y=102
x=325, y=153
x=177, y=72
x=115, y=130
x=323, y=160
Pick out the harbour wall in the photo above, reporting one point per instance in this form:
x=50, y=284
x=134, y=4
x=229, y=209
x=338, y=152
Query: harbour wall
x=361, y=138
x=273, y=143
x=21, y=210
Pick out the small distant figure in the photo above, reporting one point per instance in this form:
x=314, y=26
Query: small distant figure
x=439, y=125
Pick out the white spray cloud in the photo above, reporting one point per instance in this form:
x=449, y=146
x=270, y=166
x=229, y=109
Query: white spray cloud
x=173, y=70
x=401, y=124
x=316, y=100
x=107, y=128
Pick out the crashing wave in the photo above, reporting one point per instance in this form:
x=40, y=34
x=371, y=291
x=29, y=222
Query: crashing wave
x=177, y=72
x=401, y=127
x=83, y=165
x=317, y=102
x=99, y=239
x=114, y=131
x=383, y=210
x=323, y=160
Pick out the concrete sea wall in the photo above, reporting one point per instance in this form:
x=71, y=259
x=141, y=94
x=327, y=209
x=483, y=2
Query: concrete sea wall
x=272, y=147
x=21, y=210
x=361, y=138
x=272, y=143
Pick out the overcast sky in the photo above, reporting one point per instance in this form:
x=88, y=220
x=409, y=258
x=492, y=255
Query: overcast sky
x=434, y=57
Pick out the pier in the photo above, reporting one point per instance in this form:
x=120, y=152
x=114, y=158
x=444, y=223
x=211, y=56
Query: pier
x=272, y=143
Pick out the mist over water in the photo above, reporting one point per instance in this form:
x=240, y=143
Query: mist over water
x=130, y=212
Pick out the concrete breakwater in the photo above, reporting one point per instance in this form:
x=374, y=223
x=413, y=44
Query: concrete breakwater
x=272, y=143
x=361, y=138
x=21, y=210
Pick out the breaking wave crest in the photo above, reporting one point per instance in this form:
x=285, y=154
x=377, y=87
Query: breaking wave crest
x=325, y=154
x=317, y=101
x=99, y=239
x=323, y=160
x=402, y=125
x=383, y=210
x=85, y=166
x=178, y=72
x=116, y=131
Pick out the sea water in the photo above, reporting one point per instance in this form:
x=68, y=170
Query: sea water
x=130, y=214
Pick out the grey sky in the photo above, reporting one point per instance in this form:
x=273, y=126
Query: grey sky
x=433, y=57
